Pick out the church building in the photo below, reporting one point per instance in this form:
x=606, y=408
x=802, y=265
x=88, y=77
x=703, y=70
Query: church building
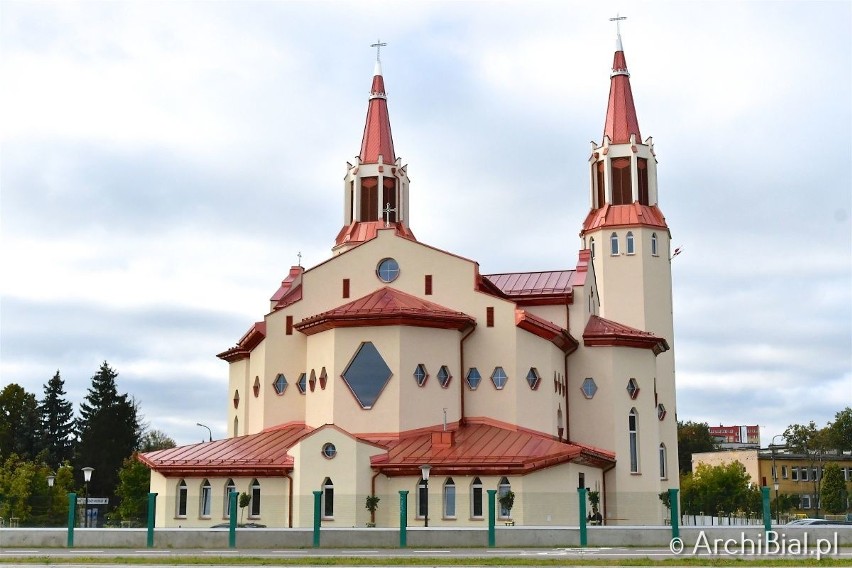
x=393, y=358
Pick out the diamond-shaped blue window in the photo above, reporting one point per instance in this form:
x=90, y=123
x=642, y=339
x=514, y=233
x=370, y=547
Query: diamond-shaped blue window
x=367, y=375
x=473, y=378
x=420, y=375
x=280, y=383
x=444, y=376
x=589, y=387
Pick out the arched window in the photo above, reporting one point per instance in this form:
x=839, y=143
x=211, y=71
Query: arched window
x=254, y=510
x=613, y=244
x=504, y=488
x=476, y=498
x=654, y=244
x=181, y=499
x=449, y=498
x=633, y=439
x=327, y=499
x=631, y=249
x=236, y=426
x=422, y=498
x=230, y=487
x=664, y=474
x=206, y=501
x=592, y=247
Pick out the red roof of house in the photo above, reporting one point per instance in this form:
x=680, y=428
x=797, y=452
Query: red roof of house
x=361, y=231
x=621, y=120
x=247, y=342
x=387, y=306
x=287, y=283
x=377, y=131
x=264, y=454
x=546, y=330
x=531, y=288
x=604, y=332
x=482, y=446
x=632, y=215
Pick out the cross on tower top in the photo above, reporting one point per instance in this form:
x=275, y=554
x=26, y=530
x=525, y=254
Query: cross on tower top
x=387, y=211
x=378, y=45
x=617, y=19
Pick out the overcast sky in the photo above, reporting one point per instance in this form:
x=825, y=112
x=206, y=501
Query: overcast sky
x=164, y=162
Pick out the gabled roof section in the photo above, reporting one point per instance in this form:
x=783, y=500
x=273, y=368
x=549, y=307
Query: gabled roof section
x=387, y=306
x=546, y=330
x=362, y=231
x=603, y=332
x=291, y=281
x=247, y=342
x=632, y=215
x=259, y=454
x=377, y=131
x=621, y=120
x=536, y=288
x=483, y=446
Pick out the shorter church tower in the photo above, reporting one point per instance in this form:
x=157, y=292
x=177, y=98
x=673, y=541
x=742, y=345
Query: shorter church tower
x=376, y=186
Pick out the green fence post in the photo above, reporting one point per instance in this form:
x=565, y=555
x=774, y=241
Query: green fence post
x=152, y=511
x=317, y=517
x=675, y=514
x=767, y=515
x=232, y=524
x=403, y=519
x=581, y=495
x=492, y=540
x=72, y=518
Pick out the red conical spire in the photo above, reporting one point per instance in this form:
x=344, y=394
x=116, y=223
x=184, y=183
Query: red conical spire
x=621, y=119
x=377, y=132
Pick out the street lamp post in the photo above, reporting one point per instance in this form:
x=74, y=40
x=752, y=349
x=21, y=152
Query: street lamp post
x=87, y=477
x=209, y=432
x=425, y=497
x=775, y=479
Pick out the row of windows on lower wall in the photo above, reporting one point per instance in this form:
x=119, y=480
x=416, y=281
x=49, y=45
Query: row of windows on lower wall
x=630, y=244
x=205, y=500
x=810, y=474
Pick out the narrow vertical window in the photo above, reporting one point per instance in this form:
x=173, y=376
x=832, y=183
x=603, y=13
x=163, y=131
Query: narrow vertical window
x=345, y=287
x=422, y=498
x=323, y=378
x=489, y=316
x=581, y=480
x=427, y=284
x=236, y=426
x=181, y=499
x=206, y=500
x=255, y=499
x=256, y=387
x=631, y=249
x=622, y=190
x=236, y=399
x=664, y=474
x=476, y=498
x=449, y=498
x=600, y=183
x=592, y=247
x=230, y=487
x=289, y=325
x=642, y=167
x=654, y=244
x=370, y=199
x=351, y=201
x=389, y=199
x=312, y=382
x=613, y=244
x=327, y=499
x=504, y=488
x=633, y=435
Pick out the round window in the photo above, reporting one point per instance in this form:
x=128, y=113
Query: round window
x=387, y=270
x=329, y=451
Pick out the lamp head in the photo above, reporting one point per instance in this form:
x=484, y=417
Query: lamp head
x=87, y=474
x=50, y=480
x=425, y=471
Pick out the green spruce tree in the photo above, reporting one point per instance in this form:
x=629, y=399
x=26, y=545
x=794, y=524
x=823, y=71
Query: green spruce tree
x=57, y=423
x=108, y=432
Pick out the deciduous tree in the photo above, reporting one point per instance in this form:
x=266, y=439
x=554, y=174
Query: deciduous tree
x=833, y=493
x=19, y=424
x=132, y=491
x=693, y=438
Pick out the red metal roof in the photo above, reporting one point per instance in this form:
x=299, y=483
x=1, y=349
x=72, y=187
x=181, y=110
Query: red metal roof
x=387, y=306
x=377, y=131
x=264, y=453
x=632, y=215
x=621, y=120
x=528, y=288
x=483, y=446
x=287, y=283
x=546, y=330
x=247, y=342
x=604, y=332
x=361, y=231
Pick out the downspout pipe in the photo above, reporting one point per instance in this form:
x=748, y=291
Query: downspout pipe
x=461, y=379
x=289, y=500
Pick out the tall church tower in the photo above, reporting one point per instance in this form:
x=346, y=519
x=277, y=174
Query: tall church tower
x=376, y=186
x=630, y=240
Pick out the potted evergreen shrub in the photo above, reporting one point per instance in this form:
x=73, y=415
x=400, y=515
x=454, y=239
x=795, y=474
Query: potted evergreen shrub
x=507, y=501
x=372, y=505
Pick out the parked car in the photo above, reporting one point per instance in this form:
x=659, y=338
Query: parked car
x=239, y=526
x=810, y=522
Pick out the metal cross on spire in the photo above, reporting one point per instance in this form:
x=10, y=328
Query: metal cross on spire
x=300, y=258
x=378, y=45
x=617, y=19
x=387, y=211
